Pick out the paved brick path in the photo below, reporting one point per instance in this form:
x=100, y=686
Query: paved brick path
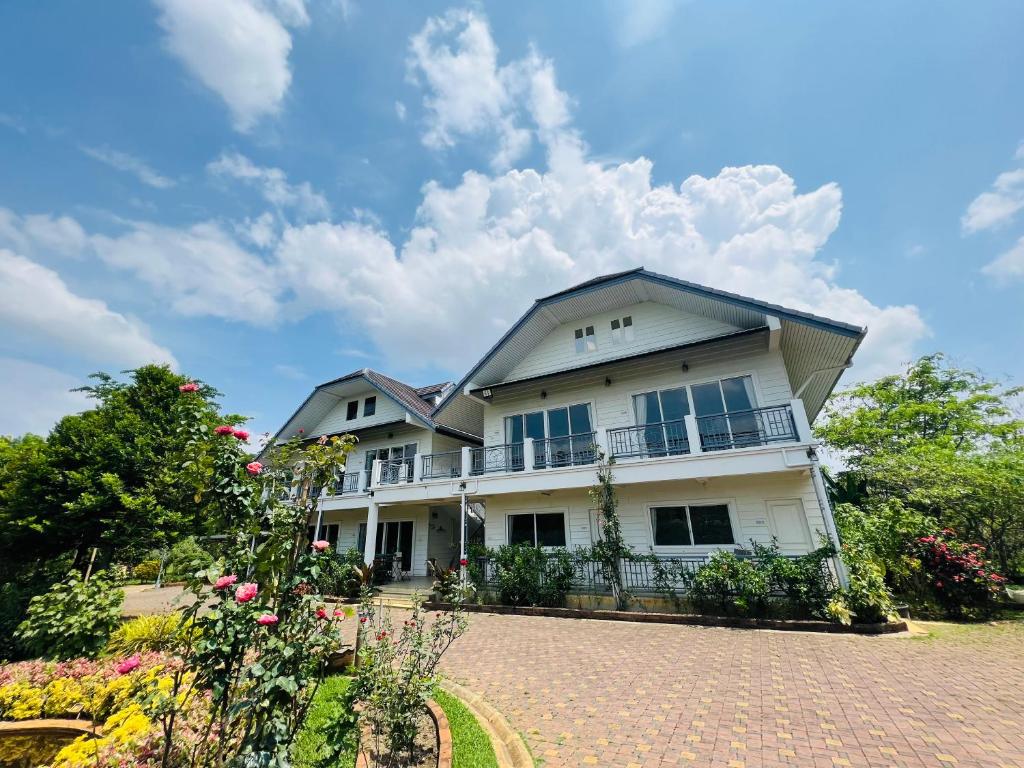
x=617, y=694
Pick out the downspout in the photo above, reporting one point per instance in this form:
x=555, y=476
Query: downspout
x=827, y=516
x=462, y=537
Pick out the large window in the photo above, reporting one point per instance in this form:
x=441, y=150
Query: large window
x=722, y=409
x=585, y=340
x=539, y=529
x=568, y=430
x=663, y=413
x=328, y=532
x=692, y=525
x=400, y=460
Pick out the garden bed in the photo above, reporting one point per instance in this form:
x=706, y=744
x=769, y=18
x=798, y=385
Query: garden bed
x=738, y=622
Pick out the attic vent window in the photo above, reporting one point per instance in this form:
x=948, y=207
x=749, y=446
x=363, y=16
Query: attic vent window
x=370, y=406
x=585, y=340
x=622, y=330
x=351, y=410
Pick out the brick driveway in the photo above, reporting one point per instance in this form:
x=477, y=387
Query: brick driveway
x=615, y=694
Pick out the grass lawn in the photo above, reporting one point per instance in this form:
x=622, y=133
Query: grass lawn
x=310, y=747
x=471, y=748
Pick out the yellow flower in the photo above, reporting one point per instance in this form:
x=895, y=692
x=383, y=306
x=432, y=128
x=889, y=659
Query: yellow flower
x=20, y=701
x=63, y=696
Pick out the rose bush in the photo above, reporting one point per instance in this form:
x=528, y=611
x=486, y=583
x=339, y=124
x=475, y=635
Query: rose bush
x=962, y=580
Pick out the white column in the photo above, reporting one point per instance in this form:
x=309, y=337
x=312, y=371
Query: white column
x=462, y=540
x=467, y=460
x=529, y=454
x=363, y=480
x=692, y=433
x=375, y=473
x=803, y=426
x=370, y=548
x=601, y=441
x=417, y=468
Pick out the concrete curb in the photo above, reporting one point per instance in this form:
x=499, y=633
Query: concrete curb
x=49, y=725
x=444, y=738
x=732, y=622
x=509, y=747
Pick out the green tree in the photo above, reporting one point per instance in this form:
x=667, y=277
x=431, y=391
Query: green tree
x=944, y=442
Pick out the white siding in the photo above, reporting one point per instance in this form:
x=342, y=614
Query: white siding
x=611, y=406
x=747, y=498
x=335, y=421
x=403, y=435
x=444, y=443
x=462, y=413
x=655, y=326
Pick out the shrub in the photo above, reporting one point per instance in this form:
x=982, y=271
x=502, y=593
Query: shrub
x=961, y=579
x=528, y=575
x=75, y=618
x=728, y=584
x=867, y=600
x=446, y=585
x=339, y=575
x=185, y=559
x=147, y=570
x=805, y=581
x=146, y=633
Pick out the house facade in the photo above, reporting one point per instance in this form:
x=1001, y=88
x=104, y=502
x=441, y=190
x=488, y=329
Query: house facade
x=702, y=398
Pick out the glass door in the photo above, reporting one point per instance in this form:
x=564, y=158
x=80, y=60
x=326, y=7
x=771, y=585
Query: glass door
x=395, y=537
x=724, y=413
x=516, y=428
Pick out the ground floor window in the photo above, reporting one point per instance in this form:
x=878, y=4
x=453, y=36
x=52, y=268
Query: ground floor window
x=328, y=532
x=692, y=525
x=539, y=529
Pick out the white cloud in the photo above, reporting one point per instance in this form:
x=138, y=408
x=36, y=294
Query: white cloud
x=636, y=23
x=998, y=206
x=36, y=231
x=1009, y=265
x=272, y=184
x=12, y=122
x=400, y=110
x=37, y=306
x=36, y=397
x=198, y=271
x=237, y=48
x=468, y=94
x=122, y=161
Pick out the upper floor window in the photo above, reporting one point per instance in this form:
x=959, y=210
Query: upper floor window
x=351, y=410
x=585, y=340
x=370, y=406
x=622, y=330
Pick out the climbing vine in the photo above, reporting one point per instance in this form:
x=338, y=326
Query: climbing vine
x=611, y=550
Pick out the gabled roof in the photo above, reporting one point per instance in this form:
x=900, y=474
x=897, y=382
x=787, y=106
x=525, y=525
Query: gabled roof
x=809, y=342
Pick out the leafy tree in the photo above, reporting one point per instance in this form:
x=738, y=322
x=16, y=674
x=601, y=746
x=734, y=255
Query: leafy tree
x=943, y=441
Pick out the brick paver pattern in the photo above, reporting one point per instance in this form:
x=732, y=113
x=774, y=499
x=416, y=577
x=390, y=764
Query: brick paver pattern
x=621, y=694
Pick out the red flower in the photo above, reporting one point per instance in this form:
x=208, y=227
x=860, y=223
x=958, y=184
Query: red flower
x=362, y=619
x=321, y=613
x=463, y=562
x=938, y=585
x=223, y=429
x=253, y=468
x=189, y=387
x=241, y=434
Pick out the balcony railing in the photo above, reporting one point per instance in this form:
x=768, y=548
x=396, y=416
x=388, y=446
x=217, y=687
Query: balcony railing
x=664, y=438
x=394, y=471
x=743, y=429
x=496, y=458
x=442, y=465
x=349, y=483
x=568, y=451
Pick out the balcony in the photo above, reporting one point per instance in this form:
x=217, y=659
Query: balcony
x=742, y=429
x=665, y=438
x=438, y=466
x=394, y=471
x=497, y=458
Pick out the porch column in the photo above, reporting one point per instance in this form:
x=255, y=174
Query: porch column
x=529, y=455
x=692, y=433
x=601, y=441
x=800, y=422
x=370, y=548
x=467, y=460
x=364, y=483
x=417, y=468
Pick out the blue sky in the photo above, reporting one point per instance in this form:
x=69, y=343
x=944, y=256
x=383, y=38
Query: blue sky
x=271, y=193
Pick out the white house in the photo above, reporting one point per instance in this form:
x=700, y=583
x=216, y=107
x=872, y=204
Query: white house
x=704, y=398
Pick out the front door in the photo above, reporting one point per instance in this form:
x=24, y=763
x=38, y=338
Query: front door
x=789, y=526
x=396, y=536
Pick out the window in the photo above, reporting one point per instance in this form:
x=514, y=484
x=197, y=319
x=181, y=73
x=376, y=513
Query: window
x=328, y=532
x=622, y=330
x=711, y=403
x=693, y=525
x=540, y=529
x=351, y=410
x=662, y=411
x=370, y=406
x=585, y=340
x=569, y=433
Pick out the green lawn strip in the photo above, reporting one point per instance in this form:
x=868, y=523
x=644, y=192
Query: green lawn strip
x=310, y=747
x=471, y=747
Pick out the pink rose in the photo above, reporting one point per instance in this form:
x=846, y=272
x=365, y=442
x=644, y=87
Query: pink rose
x=223, y=429
x=241, y=434
x=189, y=387
x=126, y=666
x=253, y=468
x=267, y=620
x=338, y=612
x=463, y=562
x=225, y=581
x=246, y=592
x=321, y=545
x=321, y=613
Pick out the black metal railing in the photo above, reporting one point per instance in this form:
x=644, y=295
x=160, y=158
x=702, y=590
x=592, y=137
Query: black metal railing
x=742, y=429
x=394, y=471
x=663, y=438
x=440, y=465
x=568, y=451
x=650, y=574
x=496, y=458
x=348, y=483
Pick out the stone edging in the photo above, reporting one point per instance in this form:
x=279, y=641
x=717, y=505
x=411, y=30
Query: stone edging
x=509, y=748
x=49, y=724
x=735, y=622
x=444, y=738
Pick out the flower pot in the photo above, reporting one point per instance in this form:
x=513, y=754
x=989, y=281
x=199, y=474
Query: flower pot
x=903, y=611
x=1016, y=595
x=340, y=661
